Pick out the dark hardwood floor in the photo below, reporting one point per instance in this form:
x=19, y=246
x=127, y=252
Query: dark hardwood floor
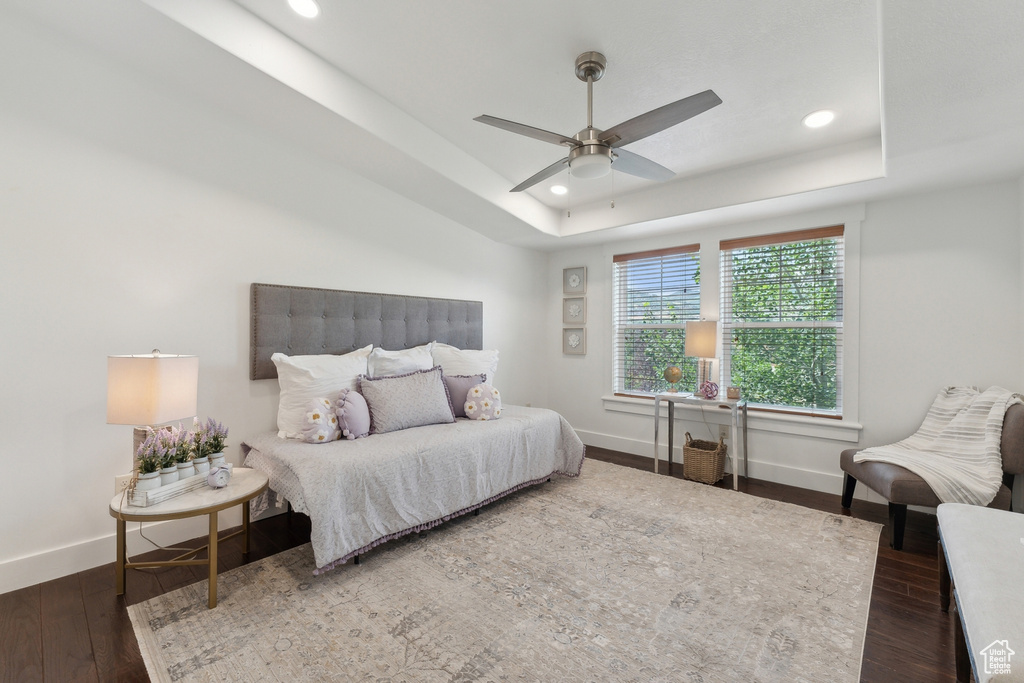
x=76, y=629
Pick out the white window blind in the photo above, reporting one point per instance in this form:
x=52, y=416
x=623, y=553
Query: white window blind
x=655, y=293
x=782, y=319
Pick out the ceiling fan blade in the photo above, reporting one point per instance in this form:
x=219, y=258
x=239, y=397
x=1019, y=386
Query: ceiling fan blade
x=641, y=167
x=659, y=119
x=546, y=173
x=528, y=131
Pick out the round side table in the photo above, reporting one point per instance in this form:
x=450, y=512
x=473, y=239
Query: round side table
x=245, y=485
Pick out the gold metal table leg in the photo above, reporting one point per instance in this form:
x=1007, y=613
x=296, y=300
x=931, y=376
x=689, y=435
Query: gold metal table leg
x=119, y=568
x=245, y=528
x=213, y=560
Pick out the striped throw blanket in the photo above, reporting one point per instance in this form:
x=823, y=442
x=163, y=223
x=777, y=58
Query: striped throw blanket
x=956, y=450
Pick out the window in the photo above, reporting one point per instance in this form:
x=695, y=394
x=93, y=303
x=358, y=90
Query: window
x=655, y=293
x=782, y=319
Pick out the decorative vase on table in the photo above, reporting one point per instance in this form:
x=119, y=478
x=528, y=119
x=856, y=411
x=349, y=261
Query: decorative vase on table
x=186, y=469
x=202, y=465
x=217, y=460
x=147, y=481
x=168, y=475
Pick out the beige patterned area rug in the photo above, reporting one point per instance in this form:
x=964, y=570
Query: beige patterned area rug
x=620, y=575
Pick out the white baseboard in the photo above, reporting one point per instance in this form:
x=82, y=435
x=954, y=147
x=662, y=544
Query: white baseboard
x=825, y=482
x=57, y=562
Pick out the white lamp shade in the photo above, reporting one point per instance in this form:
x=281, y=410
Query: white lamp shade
x=701, y=338
x=151, y=389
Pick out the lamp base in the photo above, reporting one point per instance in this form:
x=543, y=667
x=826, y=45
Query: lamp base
x=703, y=374
x=138, y=437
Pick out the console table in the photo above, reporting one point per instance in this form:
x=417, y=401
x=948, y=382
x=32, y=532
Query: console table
x=245, y=484
x=737, y=408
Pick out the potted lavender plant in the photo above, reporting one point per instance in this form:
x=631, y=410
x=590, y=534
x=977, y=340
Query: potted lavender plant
x=147, y=475
x=182, y=443
x=165, y=448
x=209, y=440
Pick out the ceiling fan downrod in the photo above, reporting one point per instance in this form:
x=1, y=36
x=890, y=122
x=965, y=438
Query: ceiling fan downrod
x=592, y=158
x=590, y=67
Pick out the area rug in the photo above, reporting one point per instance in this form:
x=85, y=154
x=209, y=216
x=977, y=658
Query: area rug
x=620, y=575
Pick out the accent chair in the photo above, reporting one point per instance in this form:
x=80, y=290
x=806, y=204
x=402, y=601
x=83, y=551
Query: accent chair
x=901, y=487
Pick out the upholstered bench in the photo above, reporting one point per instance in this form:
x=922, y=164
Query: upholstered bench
x=982, y=555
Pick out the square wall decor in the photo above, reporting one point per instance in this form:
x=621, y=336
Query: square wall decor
x=574, y=310
x=574, y=280
x=574, y=341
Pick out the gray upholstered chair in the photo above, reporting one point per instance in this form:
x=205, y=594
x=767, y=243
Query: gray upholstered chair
x=901, y=487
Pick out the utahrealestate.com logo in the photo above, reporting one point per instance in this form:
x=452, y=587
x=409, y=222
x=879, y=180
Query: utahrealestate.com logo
x=997, y=657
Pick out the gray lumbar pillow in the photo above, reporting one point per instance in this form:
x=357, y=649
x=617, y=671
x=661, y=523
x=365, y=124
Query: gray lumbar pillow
x=404, y=401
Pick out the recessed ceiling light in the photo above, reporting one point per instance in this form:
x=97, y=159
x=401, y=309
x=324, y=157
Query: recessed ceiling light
x=559, y=189
x=817, y=119
x=305, y=8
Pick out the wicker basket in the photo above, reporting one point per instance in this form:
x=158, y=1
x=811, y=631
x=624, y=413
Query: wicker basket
x=703, y=461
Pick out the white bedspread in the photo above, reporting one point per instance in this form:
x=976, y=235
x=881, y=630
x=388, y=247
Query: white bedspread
x=363, y=492
x=956, y=449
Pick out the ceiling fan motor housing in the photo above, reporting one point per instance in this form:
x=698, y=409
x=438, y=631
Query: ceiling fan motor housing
x=593, y=158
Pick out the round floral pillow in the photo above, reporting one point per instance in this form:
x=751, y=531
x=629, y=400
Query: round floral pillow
x=320, y=423
x=483, y=402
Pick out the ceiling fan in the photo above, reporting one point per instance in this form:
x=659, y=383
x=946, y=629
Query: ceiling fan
x=593, y=152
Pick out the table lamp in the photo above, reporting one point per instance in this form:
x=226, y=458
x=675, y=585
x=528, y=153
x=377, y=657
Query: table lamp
x=151, y=389
x=701, y=340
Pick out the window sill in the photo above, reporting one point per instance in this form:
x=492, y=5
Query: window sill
x=798, y=425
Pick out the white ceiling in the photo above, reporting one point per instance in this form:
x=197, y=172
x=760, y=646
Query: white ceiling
x=771, y=63
x=926, y=93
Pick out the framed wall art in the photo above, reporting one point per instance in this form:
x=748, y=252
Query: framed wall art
x=574, y=310
x=574, y=280
x=574, y=341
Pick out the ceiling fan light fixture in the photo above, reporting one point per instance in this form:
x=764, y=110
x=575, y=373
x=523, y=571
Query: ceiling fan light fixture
x=305, y=8
x=593, y=151
x=817, y=119
x=588, y=166
x=559, y=189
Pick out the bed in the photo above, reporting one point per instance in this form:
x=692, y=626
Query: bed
x=363, y=492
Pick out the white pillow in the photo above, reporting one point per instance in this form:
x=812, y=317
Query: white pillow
x=382, y=363
x=304, y=378
x=454, y=361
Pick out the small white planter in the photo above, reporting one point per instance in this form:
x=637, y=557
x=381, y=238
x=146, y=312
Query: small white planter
x=202, y=465
x=217, y=460
x=148, y=481
x=168, y=475
x=186, y=470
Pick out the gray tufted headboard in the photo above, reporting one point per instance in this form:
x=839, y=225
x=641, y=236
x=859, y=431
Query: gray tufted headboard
x=304, y=321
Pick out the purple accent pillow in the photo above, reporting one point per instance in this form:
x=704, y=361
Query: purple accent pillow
x=483, y=402
x=320, y=424
x=353, y=415
x=458, y=388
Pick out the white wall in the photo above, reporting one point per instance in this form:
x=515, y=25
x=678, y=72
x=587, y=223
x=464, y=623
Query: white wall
x=133, y=217
x=940, y=304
